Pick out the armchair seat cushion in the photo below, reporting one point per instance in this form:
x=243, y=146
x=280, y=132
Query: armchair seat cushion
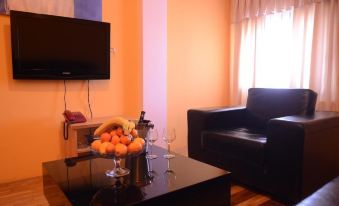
x=241, y=143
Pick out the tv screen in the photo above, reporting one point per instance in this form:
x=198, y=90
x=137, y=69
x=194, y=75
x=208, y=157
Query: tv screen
x=54, y=47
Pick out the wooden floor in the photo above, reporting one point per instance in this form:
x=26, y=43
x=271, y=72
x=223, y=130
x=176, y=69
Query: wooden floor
x=241, y=196
x=30, y=192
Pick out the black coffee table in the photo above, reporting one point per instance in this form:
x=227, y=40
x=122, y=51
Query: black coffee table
x=190, y=182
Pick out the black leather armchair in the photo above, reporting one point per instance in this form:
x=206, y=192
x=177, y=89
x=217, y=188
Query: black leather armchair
x=277, y=143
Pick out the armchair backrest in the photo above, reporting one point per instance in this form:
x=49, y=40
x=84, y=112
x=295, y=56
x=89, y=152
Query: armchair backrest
x=264, y=104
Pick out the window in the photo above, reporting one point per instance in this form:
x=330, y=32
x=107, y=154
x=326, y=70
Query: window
x=287, y=44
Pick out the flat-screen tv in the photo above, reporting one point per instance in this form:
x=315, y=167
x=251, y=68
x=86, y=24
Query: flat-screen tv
x=54, y=47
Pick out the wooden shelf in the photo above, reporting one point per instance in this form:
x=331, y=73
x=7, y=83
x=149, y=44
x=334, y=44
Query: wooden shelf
x=76, y=137
x=95, y=122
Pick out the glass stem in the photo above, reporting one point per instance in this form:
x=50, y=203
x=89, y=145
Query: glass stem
x=151, y=148
x=117, y=163
x=168, y=148
x=168, y=165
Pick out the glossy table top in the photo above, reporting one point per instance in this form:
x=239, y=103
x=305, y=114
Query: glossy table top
x=84, y=182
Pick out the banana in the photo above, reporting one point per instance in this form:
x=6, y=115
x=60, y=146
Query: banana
x=126, y=125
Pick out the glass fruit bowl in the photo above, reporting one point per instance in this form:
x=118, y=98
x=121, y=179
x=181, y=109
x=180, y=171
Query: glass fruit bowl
x=117, y=151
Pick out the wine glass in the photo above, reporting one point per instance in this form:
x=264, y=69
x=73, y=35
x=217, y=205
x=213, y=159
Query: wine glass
x=169, y=136
x=169, y=175
x=151, y=138
x=169, y=169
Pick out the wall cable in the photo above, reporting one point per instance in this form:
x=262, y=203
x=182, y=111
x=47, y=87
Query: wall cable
x=66, y=124
x=65, y=90
x=88, y=100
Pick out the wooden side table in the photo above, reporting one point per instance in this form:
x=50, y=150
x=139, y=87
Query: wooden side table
x=76, y=143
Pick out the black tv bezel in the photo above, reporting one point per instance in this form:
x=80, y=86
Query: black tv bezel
x=18, y=73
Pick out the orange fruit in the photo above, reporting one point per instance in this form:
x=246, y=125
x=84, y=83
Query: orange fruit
x=140, y=140
x=134, y=133
x=110, y=148
x=120, y=150
x=96, y=145
x=115, y=139
x=134, y=147
x=119, y=131
x=125, y=140
x=105, y=137
x=113, y=132
x=102, y=148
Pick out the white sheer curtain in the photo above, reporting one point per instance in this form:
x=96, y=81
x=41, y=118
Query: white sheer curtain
x=285, y=44
x=325, y=55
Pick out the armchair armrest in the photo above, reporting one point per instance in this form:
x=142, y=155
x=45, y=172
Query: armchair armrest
x=303, y=146
x=199, y=120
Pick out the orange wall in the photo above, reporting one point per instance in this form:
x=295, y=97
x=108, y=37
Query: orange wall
x=198, y=57
x=31, y=120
